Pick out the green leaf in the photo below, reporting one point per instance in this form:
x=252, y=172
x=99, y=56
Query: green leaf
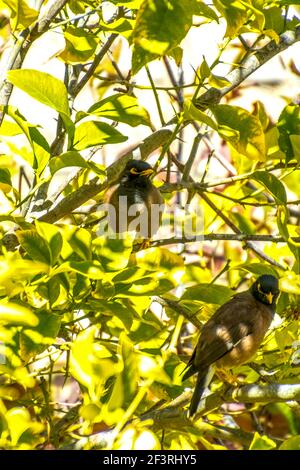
x=43, y=87
x=80, y=240
x=274, y=19
x=262, y=443
x=177, y=54
x=204, y=69
x=90, y=269
x=21, y=14
x=292, y=443
x=113, y=253
x=38, y=143
x=122, y=26
x=241, y=129
x=58, y=293
x=92, y=133
x=37, y=248
x=67, y=159
x=290, y=284
x=121, y=108
x=235, y=14
x=208, y=293
x=194, y=114
x=5, y=180
x=159, y=259
x=80, y=46
x=34, y=341
x=160, y=26
x=11, y=313
x=73, y=158
x=201, y=9
x=289, y=127
x=126, y=384
x=272, y=184
x=9, y=128
x=257, y=268
x=53, y=237
x=257, y=18
x=218, y=82
x=91, y=363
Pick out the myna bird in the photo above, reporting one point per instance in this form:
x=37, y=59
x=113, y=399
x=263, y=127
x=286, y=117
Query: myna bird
x=233, y=334
x=136, y=201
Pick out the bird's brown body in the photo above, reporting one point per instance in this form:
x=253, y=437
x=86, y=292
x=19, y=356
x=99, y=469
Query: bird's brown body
x=233, y=334
x=136, y=200
x=145, y=202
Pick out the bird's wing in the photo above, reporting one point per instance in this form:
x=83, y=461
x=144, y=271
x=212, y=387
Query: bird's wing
x=231, y=323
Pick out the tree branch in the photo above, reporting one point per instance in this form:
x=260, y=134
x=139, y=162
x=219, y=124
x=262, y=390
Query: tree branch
x=91, y=189
x=174, y=305
x=173, y=416
x=249, y=65
x=239, y=237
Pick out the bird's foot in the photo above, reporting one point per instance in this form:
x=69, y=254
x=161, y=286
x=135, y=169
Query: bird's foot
x=229, y=377
x=146, y=243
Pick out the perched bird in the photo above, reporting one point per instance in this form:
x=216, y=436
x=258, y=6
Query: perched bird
x=136, y=201
x=233, y=334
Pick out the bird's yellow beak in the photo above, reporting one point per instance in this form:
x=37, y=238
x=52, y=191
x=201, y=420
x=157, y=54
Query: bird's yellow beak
x=147, y=172
x=270, y=297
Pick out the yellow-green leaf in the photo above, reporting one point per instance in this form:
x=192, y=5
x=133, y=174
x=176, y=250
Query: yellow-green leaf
x=16, y=314
x=160, y=27
x=92, y=133
x=193, y=113
x=43, y=87
x=22, y=15
x=80, y=46
x=122, y=108
x=247, y=135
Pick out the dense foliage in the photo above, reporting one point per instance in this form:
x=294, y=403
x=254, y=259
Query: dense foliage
x=95, y=331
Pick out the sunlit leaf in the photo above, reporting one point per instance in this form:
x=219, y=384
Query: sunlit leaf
x=247, y=133
x=92, y=133
x=292, y=443
x=5, y=180
x=16, y=314
x=160, y=26
x=35, y=245
x=91, y=362
x=22, y=15
x=288, y=126
x=43, y=87
x=261, y=442
x=272, y=184
x=34, y=341
x=209, y=293
x=52, y=235
x=193, y=113
x=126, y=384
x=80, y=46
x=121, y=108
x=235, y=14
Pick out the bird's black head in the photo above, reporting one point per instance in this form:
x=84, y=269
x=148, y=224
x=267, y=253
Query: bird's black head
x=266, y=289
x=137, y=169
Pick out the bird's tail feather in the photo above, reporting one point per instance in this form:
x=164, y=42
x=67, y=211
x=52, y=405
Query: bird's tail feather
x=203, y=380
x=188, y=371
